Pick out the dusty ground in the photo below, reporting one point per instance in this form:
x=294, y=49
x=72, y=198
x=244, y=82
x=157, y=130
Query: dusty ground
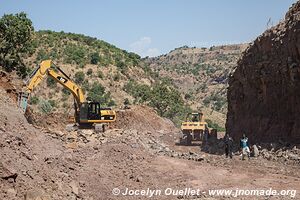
x=138, y=152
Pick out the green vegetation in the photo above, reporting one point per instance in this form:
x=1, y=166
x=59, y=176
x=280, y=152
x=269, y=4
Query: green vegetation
x=117, y=77
x=15, y=39
x=213, y=125
x=216, y=101
x=95, y=58
x=75, y=53
x=52, y=103
x=140, y=92
x=97, y=93
x=89, y=72
x=34, y=100
x=79, y=50
x=42, y=55
x=164, y=99
x=66, y=92
x=45, y=106
x=100, y=74
x=79, y=77
x=126, y=102
x=51, y=82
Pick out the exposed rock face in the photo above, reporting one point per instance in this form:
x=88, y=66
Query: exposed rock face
x=264, y=91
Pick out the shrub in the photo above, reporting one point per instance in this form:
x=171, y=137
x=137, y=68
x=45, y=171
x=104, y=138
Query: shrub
x=140, y=92
x=89, y=72
x=79, y=77
x=66, y=91
x=121, y=65
x=100, y=74
x=52, y=103
x=45, y=106
x=42, y=55
x=111, y=103
x=85, y=85
x=96, y=92
x=95, y=58
x=117, y=77
x=51, y=82
x=187, y=96
x=34, y=100
x=213, y=125
x=126, y=101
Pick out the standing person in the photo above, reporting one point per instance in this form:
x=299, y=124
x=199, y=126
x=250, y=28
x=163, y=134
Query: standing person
x=205, y=138
x=245, y=147
x=228, y=145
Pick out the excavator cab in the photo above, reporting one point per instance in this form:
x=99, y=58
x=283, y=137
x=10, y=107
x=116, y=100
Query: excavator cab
x=91, y=112
x=194, y=117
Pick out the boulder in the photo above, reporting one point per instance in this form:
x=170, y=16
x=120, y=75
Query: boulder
x=255, y=151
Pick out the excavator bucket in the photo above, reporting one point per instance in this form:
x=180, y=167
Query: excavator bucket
x=23, y=101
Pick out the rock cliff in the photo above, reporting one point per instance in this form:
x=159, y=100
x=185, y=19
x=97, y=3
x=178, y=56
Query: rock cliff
x=264, y=91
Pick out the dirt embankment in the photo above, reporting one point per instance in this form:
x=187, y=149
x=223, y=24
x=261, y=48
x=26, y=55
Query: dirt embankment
x=143, y=118
x=264, y=91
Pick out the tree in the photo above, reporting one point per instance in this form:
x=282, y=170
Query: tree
x=166, y=100
x=97, y=93
x=95, y=58
x=79, y=77
x=16, y=32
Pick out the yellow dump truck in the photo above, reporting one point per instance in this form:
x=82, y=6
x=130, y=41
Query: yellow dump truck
x=194, y=128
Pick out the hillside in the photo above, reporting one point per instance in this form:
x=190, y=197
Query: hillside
x=106, y=73
x=263, y=93
x=188, y=76
x=88, y=61
x=201, y=75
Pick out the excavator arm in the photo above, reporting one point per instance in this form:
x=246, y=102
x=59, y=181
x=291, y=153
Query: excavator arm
x=47, y=68
x=86, y=113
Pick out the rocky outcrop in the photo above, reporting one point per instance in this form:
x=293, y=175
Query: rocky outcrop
x=264, y=91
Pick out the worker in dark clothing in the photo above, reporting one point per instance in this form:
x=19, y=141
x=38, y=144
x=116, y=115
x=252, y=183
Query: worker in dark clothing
x=228, y=145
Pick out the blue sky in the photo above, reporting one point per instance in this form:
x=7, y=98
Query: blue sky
x=154, y=27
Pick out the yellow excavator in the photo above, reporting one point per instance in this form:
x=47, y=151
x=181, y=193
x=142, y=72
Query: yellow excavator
x=87, y=114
